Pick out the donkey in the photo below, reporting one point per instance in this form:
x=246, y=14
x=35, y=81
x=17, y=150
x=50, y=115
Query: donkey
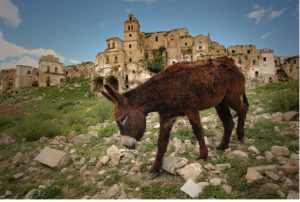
x=182, y=89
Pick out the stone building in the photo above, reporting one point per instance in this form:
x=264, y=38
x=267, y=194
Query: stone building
x=83, y=69
x=50, y=71
x=287, y=68
x=123, y=64
x=26, y=76
x=7, y=79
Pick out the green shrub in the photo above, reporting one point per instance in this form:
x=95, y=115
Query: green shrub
x=104, y=110
x=74, y=117
x=6, y=122
x=156, y=64
x=43, y=116
x=271, y=87
x=108, y=131
x=33, y=129
x=285, y=100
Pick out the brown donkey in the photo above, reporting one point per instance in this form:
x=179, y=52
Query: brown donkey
x=182, y=89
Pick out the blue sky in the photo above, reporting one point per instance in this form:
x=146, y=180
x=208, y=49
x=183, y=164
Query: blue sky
x=75, y=30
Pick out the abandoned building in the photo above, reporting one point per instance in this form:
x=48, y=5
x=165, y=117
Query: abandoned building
x=125, y=63
x=26, y=76
x=50, y=71
x=7, y=79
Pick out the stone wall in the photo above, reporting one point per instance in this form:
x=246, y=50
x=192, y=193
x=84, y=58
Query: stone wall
x=26, y=76
x=7, y=79
x=83, y=69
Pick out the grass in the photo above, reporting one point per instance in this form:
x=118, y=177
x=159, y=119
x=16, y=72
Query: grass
x=285, y=100
x=184, y=134
x=213, y=192
x=107, y=131
x=162, y=191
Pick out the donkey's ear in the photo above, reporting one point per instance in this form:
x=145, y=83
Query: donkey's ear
x=106, y=95
x=115, y=97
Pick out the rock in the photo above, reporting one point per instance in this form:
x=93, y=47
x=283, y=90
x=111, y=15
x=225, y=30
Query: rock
x=276, y=129
x=191, y=188
x=278, y=116
x=81, y=138
x=215, y=181
x=86, y=197
x=72, y=151
x=188, y=144
x=6, y=140
x=17, y=159
x=92, y=160
x=18, y=176
x=104, y=160
x=70, y=177
x=260, y=158
x=156, y=126
x=252, y=175
x=268, y=186
x=254, y=150
x=42, y=186
x=290, y=115
x=193, y=171
x=237, y=153
x=112, y=192
x=287, y=182
x=269, y=156
x=293, y=195
x=258, y=110
x=272, y=175
x=101, y=172
x=227, y=188
x=30, y=194
x=221, y=167
x=52, y=157
x=209, y=167
x=280, y=193
x=71, y=136
x=8, y=193
x=280, y=150
x=263, y=168
x=60, y=139
x=114, y=154
x=136, y=167
x=202, y=185
x=171, y=164
x=177, y=145
x=207, y=141
x=290, y=169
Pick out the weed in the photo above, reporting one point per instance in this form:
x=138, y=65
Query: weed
x=285, y=100
x=48, y=193
x=212, y=192
x=108, y=131
x=185, y=134
x=104, y=110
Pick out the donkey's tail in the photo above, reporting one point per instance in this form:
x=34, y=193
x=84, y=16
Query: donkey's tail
x=245, y=100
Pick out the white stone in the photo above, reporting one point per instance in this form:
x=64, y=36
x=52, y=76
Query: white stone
x=171, y=164
x=52, y=157
x=223, y=166
x=252, y=175
x=215, y=181
x=156, y=126
x=8, y=193
x=209, y=166
x=191, y=188
x=18, y=176
x=280, y=150
x=269, y=156
x=114, y=154
x=237, y=153
x=263, y=168
x=254, y=150
x=227, y=188
x=101, y=172
x=293, y=195
x=272, y=175
x=193, y=171
x=288, y=116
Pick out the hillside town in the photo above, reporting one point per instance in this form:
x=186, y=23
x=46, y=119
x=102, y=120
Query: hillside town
x=124, y=64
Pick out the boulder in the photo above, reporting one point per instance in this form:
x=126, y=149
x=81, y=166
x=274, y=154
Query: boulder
x=263, y=168
x=290, y=116
x=223, y=166
x=280, y=150
x=193, y=171
x=171, y=164
x=290, y=169
x=293, y=195
x=81, y=138
x=254, y=150
x=238, y=154
x=252, y=175
x=269, y=156
x=272, y=175
x=52, y=157
x=278, y=116
x=114, y=154
x=136, y=167
x=112, y=193
x=215, y=181
x=17, y=159
x=227, y=188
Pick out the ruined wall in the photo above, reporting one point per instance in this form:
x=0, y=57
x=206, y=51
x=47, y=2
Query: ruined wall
x=83, y=69
x=26, y=76
x=7, y=79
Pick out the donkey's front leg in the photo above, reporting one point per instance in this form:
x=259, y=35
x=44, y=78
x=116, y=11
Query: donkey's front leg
x=163, y=140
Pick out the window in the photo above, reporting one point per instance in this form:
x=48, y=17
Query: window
x=295, y=62
x=131, y=27
x=256, y=74
x=130, y=18
x=28, y=72
x=133, y=72
x=48, y=69
x=129, y=35
x=55, y=69
x=116, y=58
x=248, y=51
x=108, y=46
x=185, y=44
x=129, y=45
x=126, y=77
x=127, y=86
x=107, y=60
x=156, y=38
x=130, y=59
x=113, y=45
x=254, y=62
x=128, y=27
x=265, y=59
x=233, y=51
x=67, y=72
x=200, y=42
x=270, y=80
x=275, y=62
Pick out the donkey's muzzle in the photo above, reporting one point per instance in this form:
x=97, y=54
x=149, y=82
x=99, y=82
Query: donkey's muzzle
x=128, y=141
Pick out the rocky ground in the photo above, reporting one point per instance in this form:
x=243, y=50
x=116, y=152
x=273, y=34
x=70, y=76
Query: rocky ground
x=95, y=166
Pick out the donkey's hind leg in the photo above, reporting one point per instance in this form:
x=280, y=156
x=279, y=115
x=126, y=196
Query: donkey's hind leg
x=226, y=118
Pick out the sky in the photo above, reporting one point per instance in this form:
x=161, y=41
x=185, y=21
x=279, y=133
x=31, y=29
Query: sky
x=76, y=30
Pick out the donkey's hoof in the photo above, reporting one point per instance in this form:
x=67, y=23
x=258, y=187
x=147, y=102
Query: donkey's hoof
x=222, y=147
x=204, y=157
x=242, y=140
x=152, y=176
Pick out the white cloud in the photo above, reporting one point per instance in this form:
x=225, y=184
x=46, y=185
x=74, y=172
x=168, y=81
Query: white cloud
x=275, y=14
x=12, y=54
x=265, y=35
x=256, y=15
x=74, y=61
x=9, y=13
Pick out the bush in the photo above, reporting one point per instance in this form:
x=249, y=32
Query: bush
x=104, y=110
x=33, y=129
x=285, y=100
x=6, y=122
x=156, y=64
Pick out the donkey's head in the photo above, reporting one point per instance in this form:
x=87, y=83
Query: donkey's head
x=130, y=120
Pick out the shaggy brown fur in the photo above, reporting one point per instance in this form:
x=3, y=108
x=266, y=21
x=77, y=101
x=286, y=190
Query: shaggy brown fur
x=184, y=89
